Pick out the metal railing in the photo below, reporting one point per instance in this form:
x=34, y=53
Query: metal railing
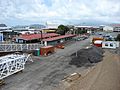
x=11, y=64
x=19, y=47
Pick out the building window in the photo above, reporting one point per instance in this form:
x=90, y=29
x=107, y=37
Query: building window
x=111, y=44
x=106, y=44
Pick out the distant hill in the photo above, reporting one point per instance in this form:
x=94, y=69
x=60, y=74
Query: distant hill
x=33, y=26
x=3, y=25
x=36, y=26
x=89, y=22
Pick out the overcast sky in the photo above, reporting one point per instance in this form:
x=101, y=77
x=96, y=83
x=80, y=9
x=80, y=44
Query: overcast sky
x=40, y=11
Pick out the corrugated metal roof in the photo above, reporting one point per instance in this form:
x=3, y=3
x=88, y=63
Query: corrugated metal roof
x=58, y=37
x=98, y=42
x=47, y=47
x=2, y=28
x=37, y=36
x=115, y=25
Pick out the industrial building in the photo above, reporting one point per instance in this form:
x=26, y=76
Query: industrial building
x=6, y=32
x=108, y=29
x=50, y=27
x=5, y=28
x=1, y=37
x=111, y=28
x=49, y=30
x=87, y=29
x=33, y=38
x=116, y=27
x=57, y=40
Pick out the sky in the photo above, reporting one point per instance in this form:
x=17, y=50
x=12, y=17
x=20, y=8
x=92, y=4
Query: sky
x=23, y=12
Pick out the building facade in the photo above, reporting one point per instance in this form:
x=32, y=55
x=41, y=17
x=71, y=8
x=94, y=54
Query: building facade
x=1, y=37
x=116, y=27
x=108, y=28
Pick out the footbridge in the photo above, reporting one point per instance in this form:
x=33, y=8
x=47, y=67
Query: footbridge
x=18, y=47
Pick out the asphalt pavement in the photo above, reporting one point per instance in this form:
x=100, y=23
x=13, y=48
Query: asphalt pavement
x=45, y=73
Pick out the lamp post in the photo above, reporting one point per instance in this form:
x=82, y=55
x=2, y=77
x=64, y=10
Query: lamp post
x=41, y=37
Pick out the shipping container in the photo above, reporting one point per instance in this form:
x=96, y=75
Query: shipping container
x=47, y=50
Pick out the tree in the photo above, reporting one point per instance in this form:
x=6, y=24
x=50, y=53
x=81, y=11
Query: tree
x=79, y=31
x=62, y=29
x=71, y=29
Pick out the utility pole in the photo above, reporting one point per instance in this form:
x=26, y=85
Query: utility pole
x=41, y=37
x=76, y=42
x=76, y=48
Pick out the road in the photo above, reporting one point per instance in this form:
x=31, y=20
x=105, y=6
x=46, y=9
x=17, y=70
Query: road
x=45, y=73
x=105, y=75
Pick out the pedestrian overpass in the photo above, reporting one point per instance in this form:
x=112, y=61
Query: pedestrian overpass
x=18, y=47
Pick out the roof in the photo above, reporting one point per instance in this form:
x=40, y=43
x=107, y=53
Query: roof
x=37, y=36
x=58, y=37
x=4, y=28
x=23, y=32
x=47, y=47
x=115, y=25
x=83, y=26
x=98, y=41
x=86, y=27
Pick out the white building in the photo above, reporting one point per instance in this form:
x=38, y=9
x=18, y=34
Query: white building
x=5, y=28
x=25, y=32
x=52, y=25
x=108, y=28
x=89, y=29
x=20, y=28
x=116, y=27
x=110, y=44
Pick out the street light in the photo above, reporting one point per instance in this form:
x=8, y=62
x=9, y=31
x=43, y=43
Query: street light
x=41, y=37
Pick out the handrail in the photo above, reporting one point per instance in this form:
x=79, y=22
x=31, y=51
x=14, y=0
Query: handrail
x=19, y=47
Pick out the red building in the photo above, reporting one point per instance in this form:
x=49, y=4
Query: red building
x=32, y=38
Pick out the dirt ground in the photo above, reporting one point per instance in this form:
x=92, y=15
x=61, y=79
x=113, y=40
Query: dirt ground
x=104, y=76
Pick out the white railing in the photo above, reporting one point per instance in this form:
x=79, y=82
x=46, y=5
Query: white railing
x=13, y=63
x=19, y=47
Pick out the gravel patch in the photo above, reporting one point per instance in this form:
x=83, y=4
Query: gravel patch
x=86, y=57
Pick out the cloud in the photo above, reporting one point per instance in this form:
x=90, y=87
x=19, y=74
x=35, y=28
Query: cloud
x=60, y=10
